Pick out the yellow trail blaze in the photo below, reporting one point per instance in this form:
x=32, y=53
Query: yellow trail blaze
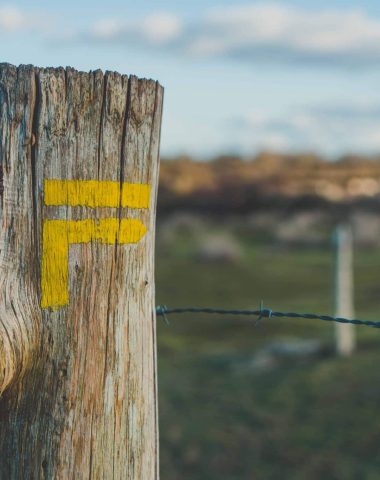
x=59, y=234
x=96, y=193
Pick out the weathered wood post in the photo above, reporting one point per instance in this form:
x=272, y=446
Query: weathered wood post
x=79, y=170
x=344, y=290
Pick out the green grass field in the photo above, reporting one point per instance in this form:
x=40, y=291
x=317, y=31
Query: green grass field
x=302, y=418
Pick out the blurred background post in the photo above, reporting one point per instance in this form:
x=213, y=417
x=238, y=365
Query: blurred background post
x=344, y=289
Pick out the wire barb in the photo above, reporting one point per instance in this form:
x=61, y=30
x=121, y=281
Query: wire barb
x=161, y=310
x=264, y=313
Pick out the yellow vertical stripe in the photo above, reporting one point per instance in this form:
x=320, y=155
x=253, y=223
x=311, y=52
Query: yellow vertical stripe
x=54, y=272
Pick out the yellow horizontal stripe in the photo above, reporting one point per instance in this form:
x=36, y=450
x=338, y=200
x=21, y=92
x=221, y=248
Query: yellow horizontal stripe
x=105, y=230
x=96, y=193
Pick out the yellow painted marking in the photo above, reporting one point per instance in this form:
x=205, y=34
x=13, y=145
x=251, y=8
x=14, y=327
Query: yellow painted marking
x=58, y=235
x=94, y=193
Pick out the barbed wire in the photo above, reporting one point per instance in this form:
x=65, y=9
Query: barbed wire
x=162, y=310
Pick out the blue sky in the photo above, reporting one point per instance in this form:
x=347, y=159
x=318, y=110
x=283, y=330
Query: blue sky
x=239, y=77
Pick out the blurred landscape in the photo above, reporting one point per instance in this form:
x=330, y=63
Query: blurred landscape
x=268, y=401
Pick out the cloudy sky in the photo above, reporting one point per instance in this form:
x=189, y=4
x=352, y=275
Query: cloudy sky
x=239, y=77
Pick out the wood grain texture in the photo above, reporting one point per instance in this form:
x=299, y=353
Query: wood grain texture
x=78, y=395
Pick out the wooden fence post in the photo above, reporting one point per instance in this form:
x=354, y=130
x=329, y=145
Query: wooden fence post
x=79, y=158
x=344, y=290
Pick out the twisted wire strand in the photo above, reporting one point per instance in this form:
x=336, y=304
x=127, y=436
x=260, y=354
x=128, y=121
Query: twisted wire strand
x=162, y=310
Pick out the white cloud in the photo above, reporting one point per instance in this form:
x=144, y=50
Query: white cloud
x=256, y=33
x=266, y=32
x=161, y=27
x=11, y=18
x=327, y=129
x=14, y=19
x=154, y=30
x=274, y=31
x=106, y=29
